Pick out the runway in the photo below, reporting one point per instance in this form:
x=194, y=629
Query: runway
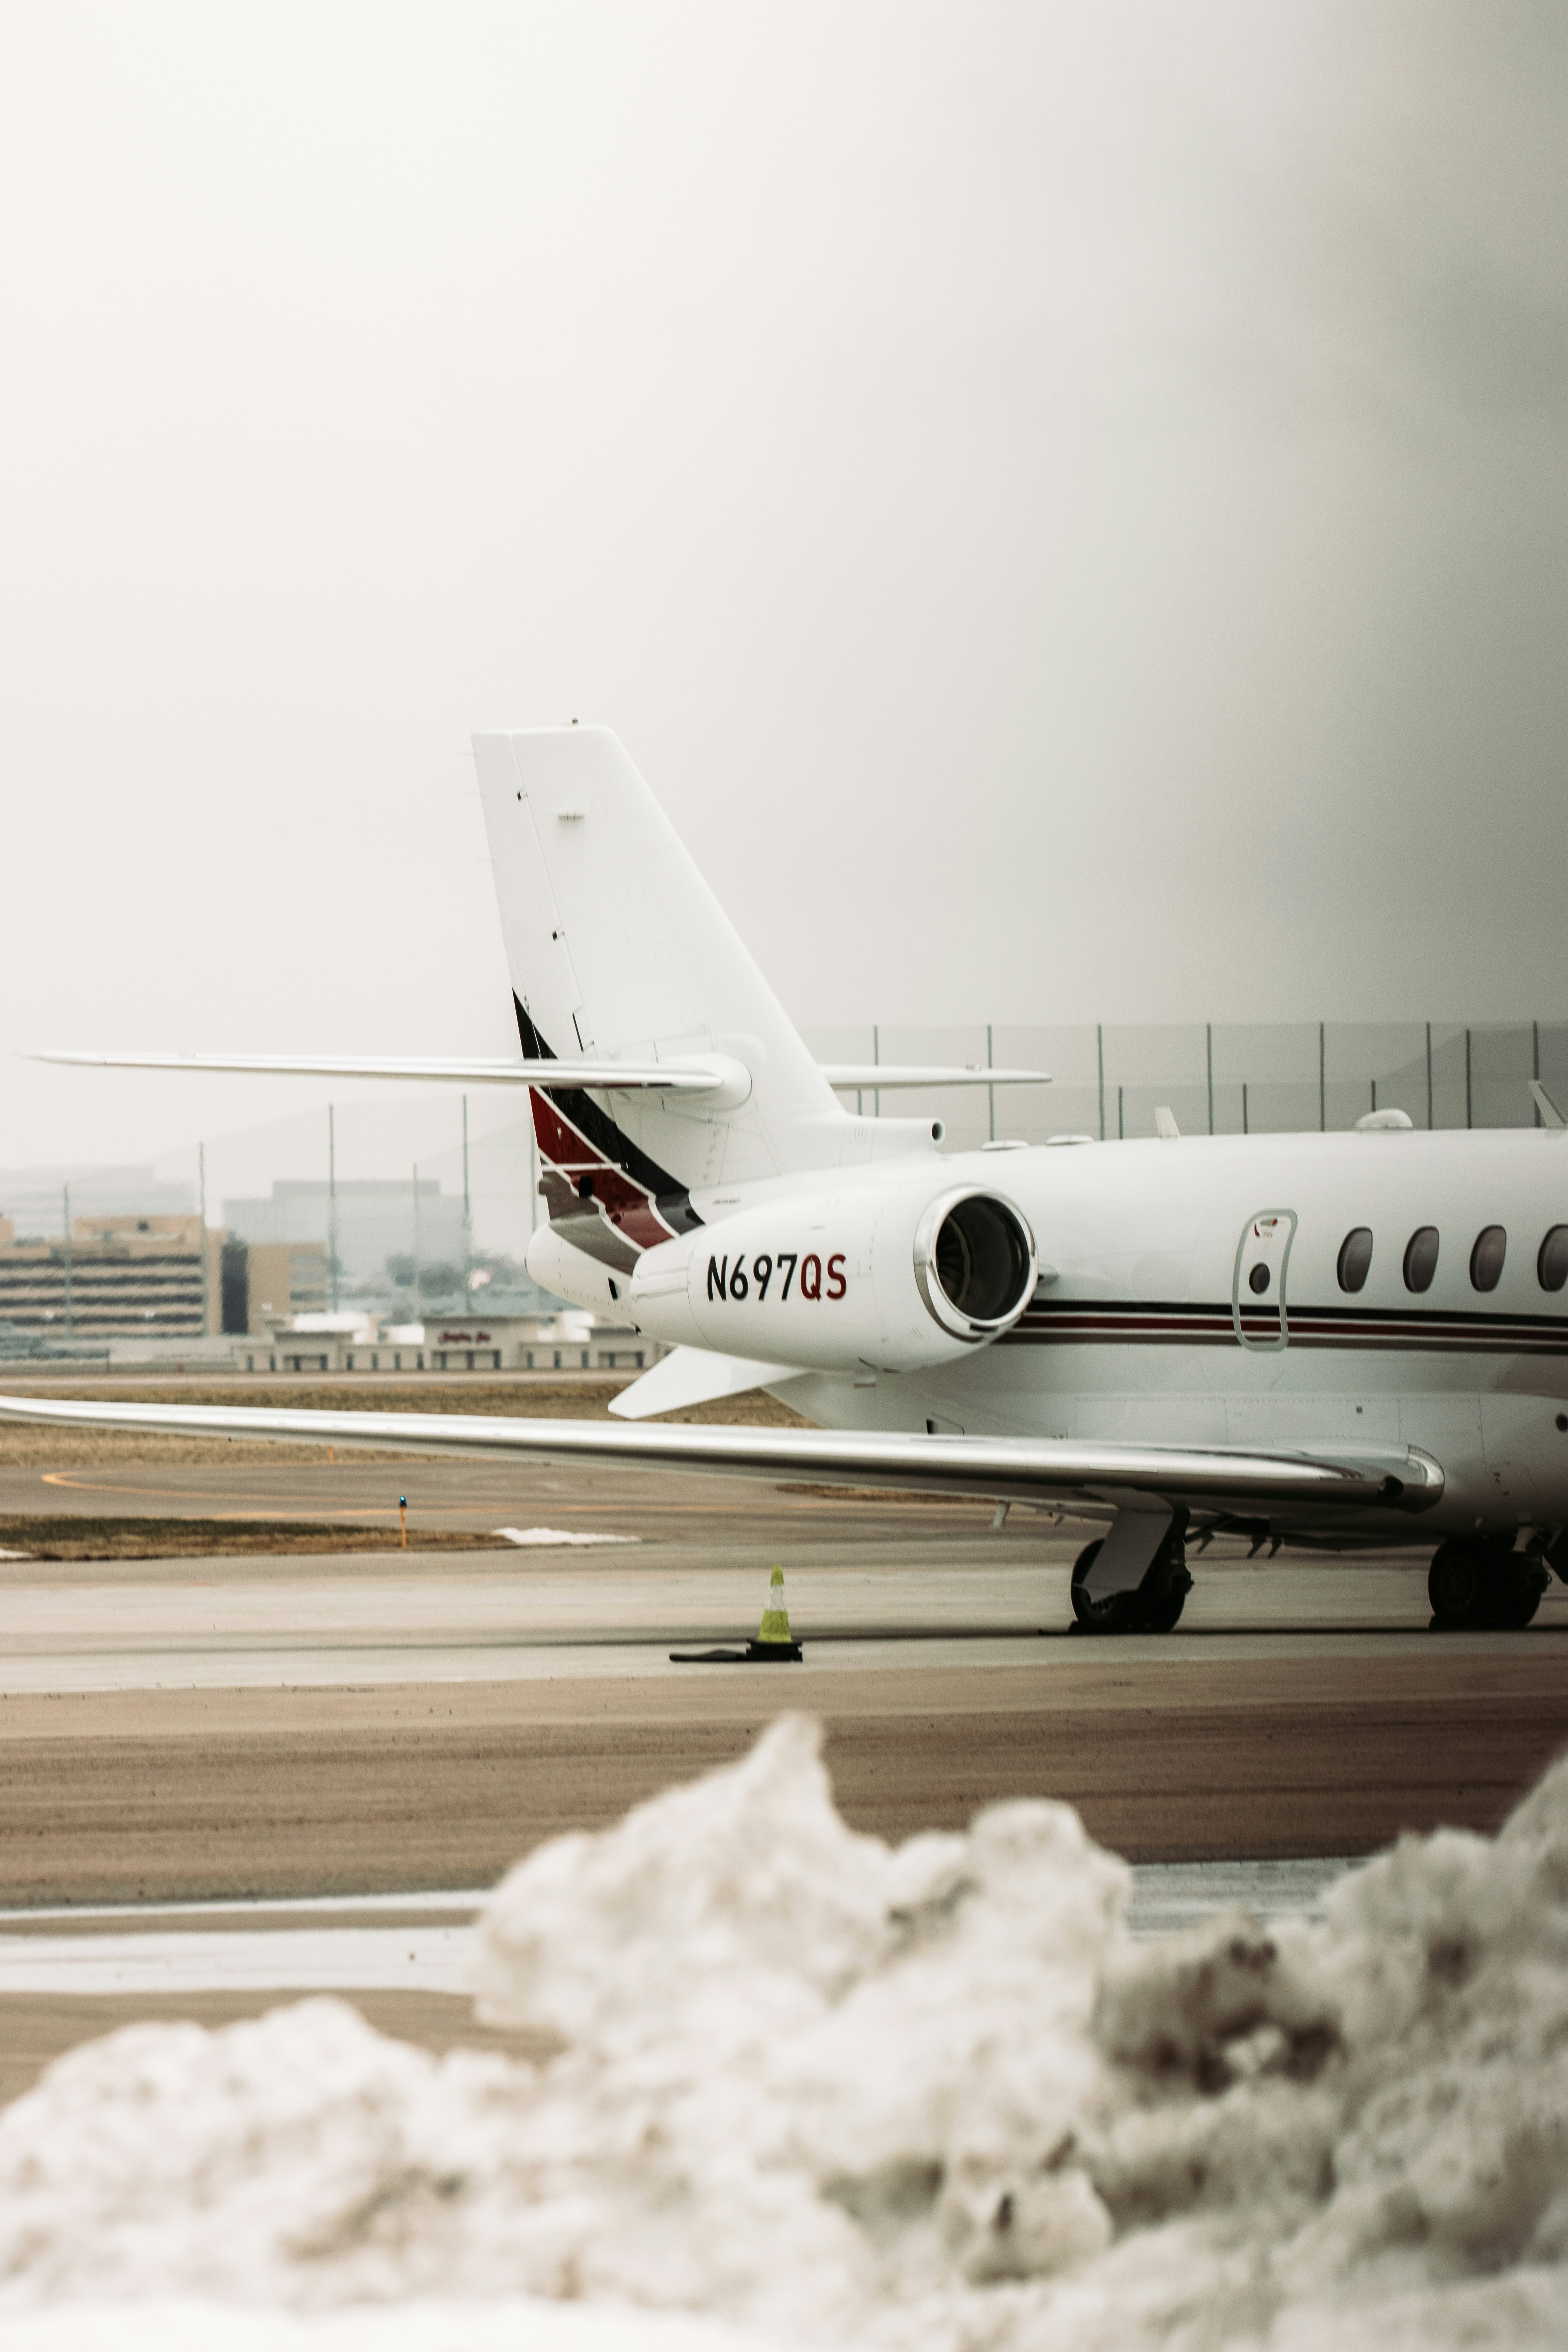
x=384, y=1732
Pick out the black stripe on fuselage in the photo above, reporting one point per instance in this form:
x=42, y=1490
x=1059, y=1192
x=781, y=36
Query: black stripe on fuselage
x=670, y=1195
x=1153, y=1322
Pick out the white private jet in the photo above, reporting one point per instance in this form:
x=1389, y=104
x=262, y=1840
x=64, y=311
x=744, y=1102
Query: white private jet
x=1338, y=1340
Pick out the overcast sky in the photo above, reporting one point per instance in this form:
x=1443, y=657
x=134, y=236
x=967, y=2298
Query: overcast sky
x=1065, y=504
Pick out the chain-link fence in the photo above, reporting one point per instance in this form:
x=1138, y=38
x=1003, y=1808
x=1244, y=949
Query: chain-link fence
x=1219, y=1078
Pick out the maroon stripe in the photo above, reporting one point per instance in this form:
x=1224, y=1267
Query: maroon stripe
x=1412, y=1342
x=629, y=1207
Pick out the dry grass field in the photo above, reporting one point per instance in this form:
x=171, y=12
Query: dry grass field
x=36, y=1537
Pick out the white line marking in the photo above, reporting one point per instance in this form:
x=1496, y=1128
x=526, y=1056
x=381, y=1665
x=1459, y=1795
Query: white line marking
x=331, y=1951
x=290, y=1959
x=465, y=1898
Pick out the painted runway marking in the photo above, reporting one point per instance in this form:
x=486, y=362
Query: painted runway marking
x=281, y=1959
x=465, y=1899
x=1170, y=1895
x=321, y=1943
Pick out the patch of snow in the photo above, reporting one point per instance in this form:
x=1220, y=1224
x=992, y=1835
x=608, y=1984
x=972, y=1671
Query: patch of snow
x=510, y=2323
x=833, y=2092
x=13, y=1554
x=557, y=1535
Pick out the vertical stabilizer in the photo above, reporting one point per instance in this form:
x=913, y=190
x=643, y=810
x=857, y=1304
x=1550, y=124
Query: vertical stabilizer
x=619, y=950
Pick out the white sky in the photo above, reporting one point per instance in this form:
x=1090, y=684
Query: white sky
x=1066, y=506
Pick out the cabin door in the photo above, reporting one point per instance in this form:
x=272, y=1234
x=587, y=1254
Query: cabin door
x=1257, y=1294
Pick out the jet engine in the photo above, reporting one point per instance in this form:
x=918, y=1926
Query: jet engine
x=889, y=1275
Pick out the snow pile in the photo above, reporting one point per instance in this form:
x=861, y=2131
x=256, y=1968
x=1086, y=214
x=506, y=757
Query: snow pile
x=510, y=2323
x=557, y=1535
x=825, y=2091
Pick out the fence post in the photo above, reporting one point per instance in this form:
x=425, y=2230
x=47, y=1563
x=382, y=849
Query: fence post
x=1428, y=1078
x=1209, y=1043
x=333, y=1194
x=1469, y=1121
x=1322, y=1079
x=1099, y=1044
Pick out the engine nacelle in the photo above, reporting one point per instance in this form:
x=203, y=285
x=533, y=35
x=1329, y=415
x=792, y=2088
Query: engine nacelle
x=570, y=1273
x=891, y=1276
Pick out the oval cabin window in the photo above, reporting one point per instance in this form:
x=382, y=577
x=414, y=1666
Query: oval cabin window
x=1486, y=1257
x=1421, y=1259
x=1551, y=1265
x=1355, y=1258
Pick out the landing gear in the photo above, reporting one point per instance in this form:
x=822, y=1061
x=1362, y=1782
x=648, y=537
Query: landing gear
x=1457, y=1585
x=1163, y=1595
x=1152, y=1609
x=1477, y=1586
x=1519, y=1596
x=1117, y=1614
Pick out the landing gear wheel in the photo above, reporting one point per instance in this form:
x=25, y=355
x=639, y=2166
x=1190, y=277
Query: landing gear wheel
x=1164, y=1595
x=1458, y=1587
x=1152, y=1609
x=1473, y=1586
x=1516, y=1595
x=1117, y=1614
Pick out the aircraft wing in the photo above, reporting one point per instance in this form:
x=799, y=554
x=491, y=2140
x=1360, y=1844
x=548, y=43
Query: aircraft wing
x=1103, y=1478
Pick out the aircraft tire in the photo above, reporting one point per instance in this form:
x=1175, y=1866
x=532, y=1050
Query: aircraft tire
x=1164, y=1595
x=1459, y=1586
x=1154, y=1608
x=1517, y=1595
x=1117, y=1614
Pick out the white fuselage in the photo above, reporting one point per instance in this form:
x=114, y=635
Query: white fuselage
x=1146, y=1327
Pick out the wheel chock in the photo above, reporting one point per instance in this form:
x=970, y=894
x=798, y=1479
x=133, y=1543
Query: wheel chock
x=774, y=1644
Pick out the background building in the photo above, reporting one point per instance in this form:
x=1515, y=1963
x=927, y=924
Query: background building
x=570, y=1340
x=125, y=1276
x=379, y=1226
x=268, y=1283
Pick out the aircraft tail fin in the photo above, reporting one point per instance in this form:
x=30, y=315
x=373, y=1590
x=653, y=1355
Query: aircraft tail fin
x=619, y=951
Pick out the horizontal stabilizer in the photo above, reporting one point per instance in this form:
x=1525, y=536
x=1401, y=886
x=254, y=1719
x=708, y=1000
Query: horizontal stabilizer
x=688, y=1376
x=874, y=1075
x=716, y=1075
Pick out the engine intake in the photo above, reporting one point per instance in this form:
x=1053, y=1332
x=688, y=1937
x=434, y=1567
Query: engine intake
x=974, y=1262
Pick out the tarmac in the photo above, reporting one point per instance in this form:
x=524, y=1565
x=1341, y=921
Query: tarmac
x=379, y=1734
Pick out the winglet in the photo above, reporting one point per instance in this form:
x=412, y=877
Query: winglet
x=1549, y=1114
